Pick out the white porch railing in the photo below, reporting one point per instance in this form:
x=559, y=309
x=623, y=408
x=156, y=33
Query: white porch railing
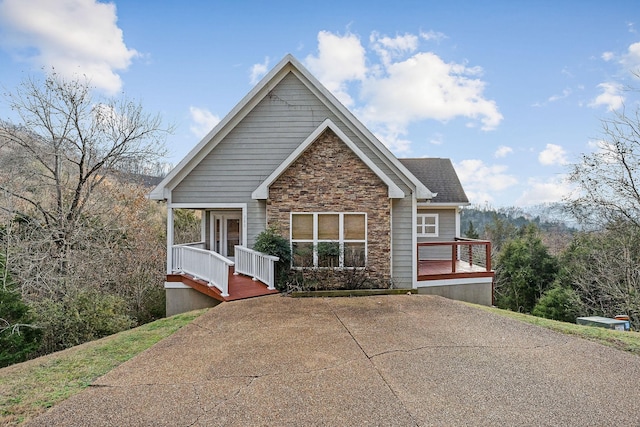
x=260, y=266
x=199, y=245
x=202, y=264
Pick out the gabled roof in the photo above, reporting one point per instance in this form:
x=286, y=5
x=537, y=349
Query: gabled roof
x=282, y=69
x=441, y=177
x=262, y=192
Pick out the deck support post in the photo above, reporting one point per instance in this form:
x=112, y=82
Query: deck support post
x=454, y=257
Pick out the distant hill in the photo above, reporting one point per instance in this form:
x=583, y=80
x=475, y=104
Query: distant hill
x=548, y=218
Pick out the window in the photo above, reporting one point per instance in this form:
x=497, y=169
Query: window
x=329, y=240
x=427, y=225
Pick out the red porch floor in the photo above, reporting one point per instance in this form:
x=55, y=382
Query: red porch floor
x=442, y=269
x=240, y=286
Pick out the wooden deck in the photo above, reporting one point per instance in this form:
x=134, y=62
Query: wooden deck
x=240, y=286
x=443, y=269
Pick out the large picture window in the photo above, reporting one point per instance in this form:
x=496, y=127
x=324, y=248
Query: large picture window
x=329, y=240
x=427, y=225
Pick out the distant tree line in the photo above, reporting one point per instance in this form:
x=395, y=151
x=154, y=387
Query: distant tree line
x=588, y=272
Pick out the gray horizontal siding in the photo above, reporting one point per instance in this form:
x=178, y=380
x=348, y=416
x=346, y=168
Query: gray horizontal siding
x=262, y=141
x=402, y=243
x=264, y=138
x=256, y=220
x=446, y=233
x=446, y=222
x=255, y=147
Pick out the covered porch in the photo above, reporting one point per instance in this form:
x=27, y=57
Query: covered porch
x=216, y=261
x=250, y=274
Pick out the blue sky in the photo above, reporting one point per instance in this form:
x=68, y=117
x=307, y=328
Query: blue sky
x=512, y=91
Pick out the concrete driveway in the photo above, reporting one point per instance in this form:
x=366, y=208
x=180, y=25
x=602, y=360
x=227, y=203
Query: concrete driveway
x=405, y=360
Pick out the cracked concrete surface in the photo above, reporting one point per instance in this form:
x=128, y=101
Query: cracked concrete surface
x=405, y=360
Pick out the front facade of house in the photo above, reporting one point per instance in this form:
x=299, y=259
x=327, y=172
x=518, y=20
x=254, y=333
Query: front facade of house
x=289, y=155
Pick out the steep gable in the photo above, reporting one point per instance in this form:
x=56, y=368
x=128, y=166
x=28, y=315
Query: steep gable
x=263, y=190
x=301, y=120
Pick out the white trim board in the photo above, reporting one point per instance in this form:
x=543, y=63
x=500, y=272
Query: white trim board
x=449, y=282
x=207, y=205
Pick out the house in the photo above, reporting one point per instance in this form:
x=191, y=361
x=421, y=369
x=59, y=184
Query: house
x=290, y=155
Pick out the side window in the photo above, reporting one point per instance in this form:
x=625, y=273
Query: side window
x=427, y=225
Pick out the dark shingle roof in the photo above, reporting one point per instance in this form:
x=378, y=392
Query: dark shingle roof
x=439, y=176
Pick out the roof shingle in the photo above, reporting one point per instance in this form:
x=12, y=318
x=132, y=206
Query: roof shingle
x=439, y=176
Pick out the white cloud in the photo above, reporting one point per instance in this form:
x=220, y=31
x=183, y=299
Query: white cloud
x=610, y=97
x=340, y=59
x=433, y=35
x=502, y=151
x=551, y=190
x=565, y=93
x=565, y=71
x=607, y=56
x=258, y=71
x=389, y=48
x=73, y=36
x=481, y=182
x=400, y=85
x=631, y=60
x=395, y=141
x=424, y=87
x=203, y=121
x=553, y=155
x=553, y=98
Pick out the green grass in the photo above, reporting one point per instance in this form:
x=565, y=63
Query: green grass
x=625, y=341
x=28, y=389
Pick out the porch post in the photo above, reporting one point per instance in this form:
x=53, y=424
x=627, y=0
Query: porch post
x=203, y=227
x=169, y=238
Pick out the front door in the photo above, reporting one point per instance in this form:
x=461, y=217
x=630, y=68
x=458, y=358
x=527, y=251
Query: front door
x=226, y=232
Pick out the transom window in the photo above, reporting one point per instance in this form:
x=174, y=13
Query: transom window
x=427, y=225
x=329, y=240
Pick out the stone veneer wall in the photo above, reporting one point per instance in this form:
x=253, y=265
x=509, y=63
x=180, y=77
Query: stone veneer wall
x=329, y=177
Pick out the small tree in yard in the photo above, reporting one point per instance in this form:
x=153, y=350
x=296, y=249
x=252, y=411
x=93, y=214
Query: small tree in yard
x=19, y=337
x=559, y=303
x=525, y=270
x=272, y=243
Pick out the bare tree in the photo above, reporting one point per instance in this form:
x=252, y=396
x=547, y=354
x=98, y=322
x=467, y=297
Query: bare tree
x=608, y=180
x=602, y=266
x=67, y=144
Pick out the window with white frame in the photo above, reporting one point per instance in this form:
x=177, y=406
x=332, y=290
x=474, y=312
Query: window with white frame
x=329, y=240
x=427, y=225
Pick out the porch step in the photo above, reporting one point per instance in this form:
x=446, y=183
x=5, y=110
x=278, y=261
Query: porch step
x=240, y=286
